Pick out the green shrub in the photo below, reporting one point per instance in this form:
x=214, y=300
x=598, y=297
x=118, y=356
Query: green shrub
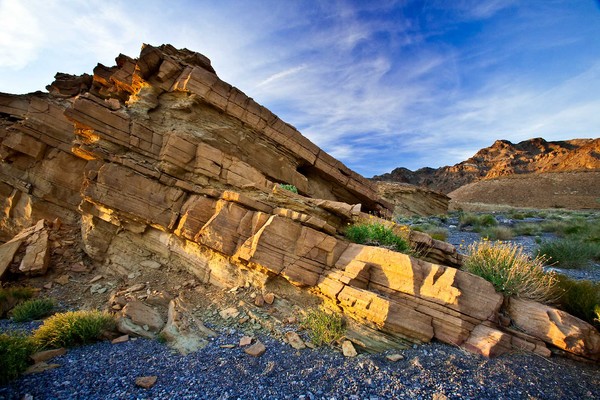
x=14, y=356
x=518, y=215
x=487, y=220
x=498, y=233
x=568, y=253
x=11, y=296
x=478, y=222
x=323, y=327
x=511, y=271
x=527, y=229
x=580, y=298
x=32, y=309
x=375, y=234
x=468, y=219
x=291, y=188
x=72, y=328
x=16, y=292
x=438, y=234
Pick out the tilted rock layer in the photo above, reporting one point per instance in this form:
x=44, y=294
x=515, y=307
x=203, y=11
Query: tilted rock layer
x=159, y=160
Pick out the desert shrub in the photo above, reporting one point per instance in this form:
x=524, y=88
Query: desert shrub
x=438, y=234
x=291, y=188
x=467, y=219
x=568, y=253
x=32, y=309
x=10, y=296
x=72, y=328
x=18, y=293
x=375, y=234
x=580, y=298
x=323, y=327
x=498, y=233
x=515, y=214
x=511, y=271
x=527, y=229
x=478, y=222
x=487, y=220
x=14, y=355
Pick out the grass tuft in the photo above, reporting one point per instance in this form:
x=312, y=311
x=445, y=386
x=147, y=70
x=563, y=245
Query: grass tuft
x=580, y=298
x=376, y=234
x=478, y=222
x=498, y=233
x=14, y=356
x=32, y=309
x=323, y=327
x=19, y=293
x=72, y=328
x=511, y=271
x=568, y=253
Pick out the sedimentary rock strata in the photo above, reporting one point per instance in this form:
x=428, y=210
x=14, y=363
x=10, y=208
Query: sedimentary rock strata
x=162, y=163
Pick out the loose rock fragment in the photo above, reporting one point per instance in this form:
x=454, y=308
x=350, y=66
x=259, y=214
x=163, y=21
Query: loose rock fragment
x=348, y=349
x=256, y=350
x=146, y=382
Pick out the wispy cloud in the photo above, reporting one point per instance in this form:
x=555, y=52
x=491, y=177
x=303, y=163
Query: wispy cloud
x=21, y=35
x=280, y=75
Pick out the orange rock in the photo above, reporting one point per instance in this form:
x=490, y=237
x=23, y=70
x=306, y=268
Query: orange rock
x=556, y=327
x=256, y=350
x=146, y=382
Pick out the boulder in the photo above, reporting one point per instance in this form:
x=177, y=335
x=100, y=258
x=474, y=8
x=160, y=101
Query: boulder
x=139, y=319
x=555, y=327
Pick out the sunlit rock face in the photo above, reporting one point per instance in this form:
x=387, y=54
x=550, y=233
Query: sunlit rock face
x=158, y=160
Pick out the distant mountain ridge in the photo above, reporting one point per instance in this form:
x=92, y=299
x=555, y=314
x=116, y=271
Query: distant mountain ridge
x=503, y=159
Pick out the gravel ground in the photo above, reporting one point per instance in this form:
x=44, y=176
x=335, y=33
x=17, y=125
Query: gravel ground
x=106, y=371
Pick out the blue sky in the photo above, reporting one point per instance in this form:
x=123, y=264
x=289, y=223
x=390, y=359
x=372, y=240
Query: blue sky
x=378, y=84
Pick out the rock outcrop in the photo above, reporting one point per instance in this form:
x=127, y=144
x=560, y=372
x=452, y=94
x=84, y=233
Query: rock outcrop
x=162, y=163
x=504, y=159
x=410, y=200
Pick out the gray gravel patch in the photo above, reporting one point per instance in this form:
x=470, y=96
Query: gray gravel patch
x=105, y=371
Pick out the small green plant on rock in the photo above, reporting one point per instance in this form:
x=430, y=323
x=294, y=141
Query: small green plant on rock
x=14, y=355
x=376, y=234
x=73, y=328
x=323, y=327
x=511, y=271
x=32, y=309
x=291, y=188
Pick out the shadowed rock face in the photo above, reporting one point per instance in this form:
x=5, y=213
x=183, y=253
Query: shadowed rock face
x=504, y=159
x=413, y=200
x=160, y=161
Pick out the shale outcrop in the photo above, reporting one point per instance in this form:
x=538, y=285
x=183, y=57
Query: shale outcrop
x=161, y=163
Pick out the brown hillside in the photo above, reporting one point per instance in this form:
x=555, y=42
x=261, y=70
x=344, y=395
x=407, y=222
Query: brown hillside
x=504, y=158
x=572, y=190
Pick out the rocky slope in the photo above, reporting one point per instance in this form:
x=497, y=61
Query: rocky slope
x=504, y=159
x=570, y=190
x=159, y=164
